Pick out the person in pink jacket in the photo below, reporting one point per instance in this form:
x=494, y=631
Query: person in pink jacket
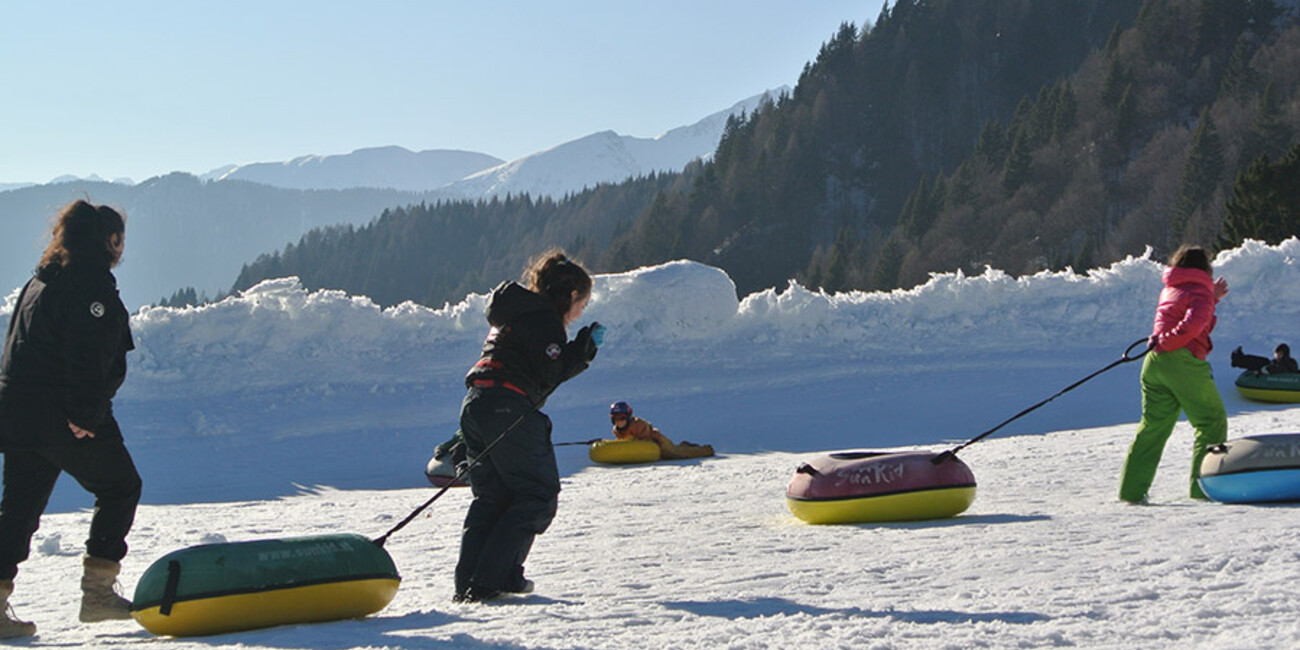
x=1175, y=375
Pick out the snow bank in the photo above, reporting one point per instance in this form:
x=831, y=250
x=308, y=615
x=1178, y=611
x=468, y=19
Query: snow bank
x=279, y=333
x=675, y=301
x=954, y=311
x=1038, y=312
x=1264, y=294
x=8, y=307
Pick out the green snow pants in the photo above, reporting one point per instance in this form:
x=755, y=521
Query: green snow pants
x=1172, y=382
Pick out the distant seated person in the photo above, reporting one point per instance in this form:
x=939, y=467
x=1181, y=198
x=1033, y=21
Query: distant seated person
x=1279, y=364
x=453, y=449
x=630, y=427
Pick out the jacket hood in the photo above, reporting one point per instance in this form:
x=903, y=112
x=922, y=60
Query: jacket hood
x=55, y=273
x=510, y=300
x=1176, y=275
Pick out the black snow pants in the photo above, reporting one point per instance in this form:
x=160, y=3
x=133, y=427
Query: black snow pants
x=516, y=488
x=103, y=467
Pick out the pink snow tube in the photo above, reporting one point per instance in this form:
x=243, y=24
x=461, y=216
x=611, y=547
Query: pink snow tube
x=872, y=486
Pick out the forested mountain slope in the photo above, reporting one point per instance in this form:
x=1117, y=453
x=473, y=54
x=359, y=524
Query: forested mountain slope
x=946, y=135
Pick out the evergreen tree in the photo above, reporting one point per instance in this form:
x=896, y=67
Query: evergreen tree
x=1163, y=33
x=1126, y=119
x=1067, y=109
x=1265, y=203
x=1016, y=172
x=888, y=265
x=841, y=259
x=186, y=297
x=924, y=206
x=1269, y=134
x=1084, y=259
x=936, y=200
x=1020, y=119
x=1201, y=173
x=1112, y=42
x=1042, y=116
x=961, y=187
x=913, y=217
x=991, y=148
x=1116, y=85
x=1238, y=78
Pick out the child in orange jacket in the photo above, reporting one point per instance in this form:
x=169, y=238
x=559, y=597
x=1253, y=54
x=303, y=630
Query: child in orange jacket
x=629, y=427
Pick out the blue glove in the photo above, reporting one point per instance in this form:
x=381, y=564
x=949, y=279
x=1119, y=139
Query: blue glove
x=597, y=334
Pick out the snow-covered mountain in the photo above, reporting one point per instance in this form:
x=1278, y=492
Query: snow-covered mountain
x=282, y=413
x=185, y=233
x=604, y=157
x=93, y=178
x=378, y=167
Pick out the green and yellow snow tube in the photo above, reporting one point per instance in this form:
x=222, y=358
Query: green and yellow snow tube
x=623, y=452
x=219, y=588
x=1283, y=387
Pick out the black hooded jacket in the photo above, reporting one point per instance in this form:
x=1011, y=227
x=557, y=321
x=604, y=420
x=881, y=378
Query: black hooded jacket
x=64, y=358
x=527, y=346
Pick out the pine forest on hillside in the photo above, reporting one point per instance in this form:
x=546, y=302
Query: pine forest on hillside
x=948, y=134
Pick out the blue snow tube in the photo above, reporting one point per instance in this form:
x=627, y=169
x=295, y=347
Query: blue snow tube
x=1253, y=469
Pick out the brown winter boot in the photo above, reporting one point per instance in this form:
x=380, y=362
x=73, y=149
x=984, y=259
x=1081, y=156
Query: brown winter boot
x=99, y=599
x=10, y=626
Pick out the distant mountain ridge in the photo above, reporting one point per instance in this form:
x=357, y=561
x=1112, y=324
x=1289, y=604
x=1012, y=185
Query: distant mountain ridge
x=181, y=231
x=604, y=157
x=567, y=168
x=601, y=157
x=389, y=167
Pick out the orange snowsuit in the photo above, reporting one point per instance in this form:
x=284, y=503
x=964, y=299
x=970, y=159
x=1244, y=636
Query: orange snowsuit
x=638, y=429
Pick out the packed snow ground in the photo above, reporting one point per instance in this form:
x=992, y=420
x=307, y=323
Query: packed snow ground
x=285, y=413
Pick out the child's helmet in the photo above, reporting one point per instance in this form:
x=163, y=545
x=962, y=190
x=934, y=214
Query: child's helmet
x=620, y=408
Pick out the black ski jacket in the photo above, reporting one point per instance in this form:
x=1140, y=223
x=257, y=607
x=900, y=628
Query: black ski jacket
x=64, y=358
x=527, y=348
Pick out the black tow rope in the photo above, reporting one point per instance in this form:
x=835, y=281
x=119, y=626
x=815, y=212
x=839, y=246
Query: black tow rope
x=462, y=473
x=577, y=442
x=1124, y=358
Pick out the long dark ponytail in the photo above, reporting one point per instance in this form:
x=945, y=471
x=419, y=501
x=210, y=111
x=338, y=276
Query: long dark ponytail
x=81, y=234
x=553, y=275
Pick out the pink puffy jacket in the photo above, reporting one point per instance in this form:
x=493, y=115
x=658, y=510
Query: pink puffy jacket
x=1185, y=316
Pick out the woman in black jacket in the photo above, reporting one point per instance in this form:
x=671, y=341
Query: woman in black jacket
x=64, y=359
x=527, y=354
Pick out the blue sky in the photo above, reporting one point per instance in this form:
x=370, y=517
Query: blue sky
x=136, y=89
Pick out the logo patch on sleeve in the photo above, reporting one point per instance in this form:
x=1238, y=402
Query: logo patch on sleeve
x=553, y=351
x=97, y=309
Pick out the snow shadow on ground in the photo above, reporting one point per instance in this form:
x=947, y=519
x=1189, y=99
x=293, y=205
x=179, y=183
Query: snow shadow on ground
x=376, y=631
x=960, y=520
x=762, y=607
